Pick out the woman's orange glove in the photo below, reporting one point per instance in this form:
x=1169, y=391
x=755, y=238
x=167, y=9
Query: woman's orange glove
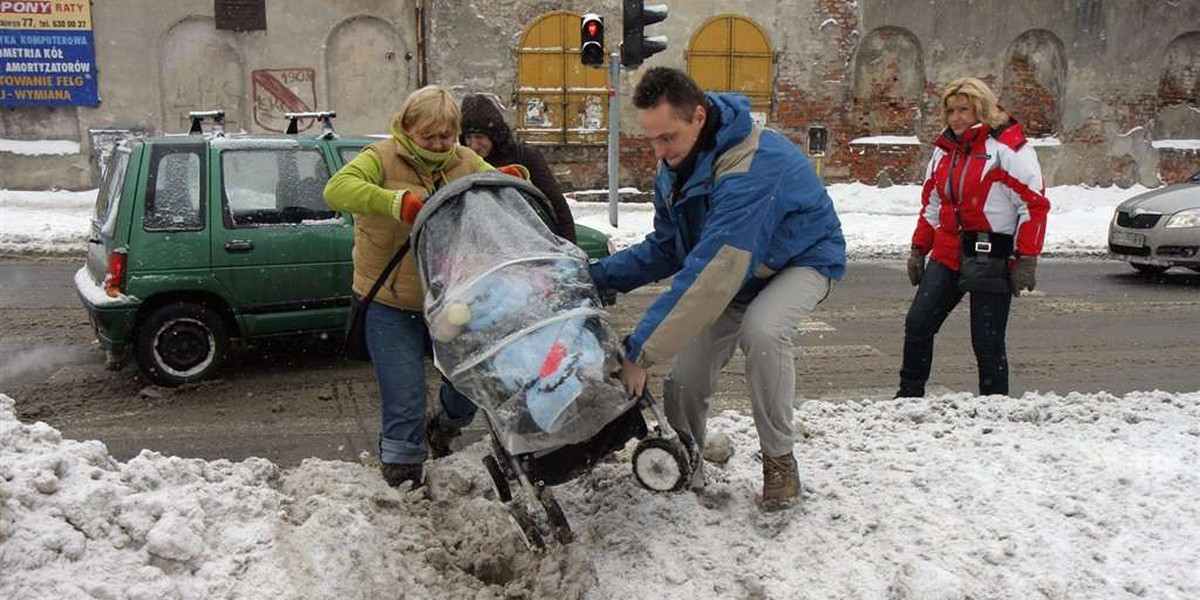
x=406, y=204
x=517, y=171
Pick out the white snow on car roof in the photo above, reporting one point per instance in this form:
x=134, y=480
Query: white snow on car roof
x=225, y=143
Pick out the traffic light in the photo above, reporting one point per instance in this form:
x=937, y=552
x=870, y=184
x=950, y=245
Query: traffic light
x=591, y=33
x=635, y=46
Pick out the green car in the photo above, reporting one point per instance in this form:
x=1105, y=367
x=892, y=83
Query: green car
x=202, y=238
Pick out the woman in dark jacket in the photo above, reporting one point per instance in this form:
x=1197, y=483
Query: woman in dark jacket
x=485, y=132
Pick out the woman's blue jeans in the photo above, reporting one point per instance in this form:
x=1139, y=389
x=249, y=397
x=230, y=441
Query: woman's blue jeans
x=936, y=297
x=398, y=342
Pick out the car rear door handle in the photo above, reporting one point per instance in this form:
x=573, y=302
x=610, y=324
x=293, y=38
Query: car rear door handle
x=239, y=246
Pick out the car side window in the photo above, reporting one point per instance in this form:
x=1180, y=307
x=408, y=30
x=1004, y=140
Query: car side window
x=349, y=152
x=174, y=198
x=110, y=192
x=270, y=187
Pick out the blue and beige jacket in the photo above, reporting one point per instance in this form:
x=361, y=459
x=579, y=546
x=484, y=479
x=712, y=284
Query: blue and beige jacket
x=752, y=207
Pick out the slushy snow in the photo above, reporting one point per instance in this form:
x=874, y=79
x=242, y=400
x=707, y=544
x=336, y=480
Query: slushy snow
x=955, y=497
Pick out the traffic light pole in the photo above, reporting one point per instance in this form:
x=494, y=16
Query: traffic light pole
x=614, y=134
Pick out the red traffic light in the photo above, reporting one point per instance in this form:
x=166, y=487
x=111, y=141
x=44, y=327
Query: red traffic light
x=591, y=33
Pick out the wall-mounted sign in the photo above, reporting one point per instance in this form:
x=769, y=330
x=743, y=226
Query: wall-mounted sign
x=281, y=91
x=47, y=53
x=241, y=15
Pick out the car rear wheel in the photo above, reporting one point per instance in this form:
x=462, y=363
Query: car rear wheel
x=181, y=343
x=1148, y=269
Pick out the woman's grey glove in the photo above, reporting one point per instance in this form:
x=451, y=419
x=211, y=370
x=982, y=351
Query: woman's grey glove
x=916, y=266
x=1024, y=275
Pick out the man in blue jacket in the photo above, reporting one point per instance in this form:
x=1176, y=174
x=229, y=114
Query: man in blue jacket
x=745, y=227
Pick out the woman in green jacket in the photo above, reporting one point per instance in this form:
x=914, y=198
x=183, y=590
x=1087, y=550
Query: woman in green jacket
x=385, y=187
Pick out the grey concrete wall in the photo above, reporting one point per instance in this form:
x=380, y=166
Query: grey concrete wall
x=158, y=59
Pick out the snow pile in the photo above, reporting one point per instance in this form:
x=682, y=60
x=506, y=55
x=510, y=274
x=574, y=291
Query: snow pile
x=879, y=222
x=74, y=523
x=1176, y=144
x=54, y=222
x=886, y=140
x=1082, y=496
x=39, y=147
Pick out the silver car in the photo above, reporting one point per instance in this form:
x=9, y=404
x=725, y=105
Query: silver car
x=1159, y=229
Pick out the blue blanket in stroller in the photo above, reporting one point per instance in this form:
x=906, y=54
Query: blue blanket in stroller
x=515, y=319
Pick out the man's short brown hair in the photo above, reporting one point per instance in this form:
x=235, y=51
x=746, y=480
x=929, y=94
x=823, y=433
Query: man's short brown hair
x=672, y=85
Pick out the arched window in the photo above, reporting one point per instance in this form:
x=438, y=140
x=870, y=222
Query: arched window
x=1035, y=82
x=364, y=62
x=1180, y=80
x=200, y=69
x=560, y=101
x=730, y=53
x=889, y=81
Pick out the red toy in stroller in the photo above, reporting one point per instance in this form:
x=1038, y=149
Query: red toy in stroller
x=518, y=327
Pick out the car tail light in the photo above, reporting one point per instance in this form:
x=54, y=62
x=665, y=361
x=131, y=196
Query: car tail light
x=114, y=280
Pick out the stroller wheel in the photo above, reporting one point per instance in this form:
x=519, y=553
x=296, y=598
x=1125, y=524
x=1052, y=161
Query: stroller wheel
x=661, y=465
x=503, y=492
x=559, y=526
x=526, y=527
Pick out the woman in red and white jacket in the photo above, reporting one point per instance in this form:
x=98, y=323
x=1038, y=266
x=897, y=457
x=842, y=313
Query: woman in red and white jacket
x=982, y=221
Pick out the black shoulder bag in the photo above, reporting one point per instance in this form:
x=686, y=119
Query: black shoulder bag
x=355, y=344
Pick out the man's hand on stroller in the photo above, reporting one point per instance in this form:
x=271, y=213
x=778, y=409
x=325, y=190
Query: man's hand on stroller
x=633, y=377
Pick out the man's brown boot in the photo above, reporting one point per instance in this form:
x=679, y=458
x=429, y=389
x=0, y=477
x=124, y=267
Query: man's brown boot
x=781, y=482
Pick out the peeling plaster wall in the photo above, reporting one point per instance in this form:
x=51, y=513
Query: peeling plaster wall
x=1110, y=84
x=1116, y=89
x=472, y=48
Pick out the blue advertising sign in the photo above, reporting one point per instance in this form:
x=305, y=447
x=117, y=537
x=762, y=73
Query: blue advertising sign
x=47, y=53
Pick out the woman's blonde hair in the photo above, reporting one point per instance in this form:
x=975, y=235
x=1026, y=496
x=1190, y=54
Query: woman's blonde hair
x=981, y=97
x=429, y=110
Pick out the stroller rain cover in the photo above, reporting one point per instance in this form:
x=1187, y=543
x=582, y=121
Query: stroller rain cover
x=514, y=317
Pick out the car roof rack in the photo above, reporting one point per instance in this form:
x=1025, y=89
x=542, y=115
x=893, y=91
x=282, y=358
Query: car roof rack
x=324, y=116
x=199, y=116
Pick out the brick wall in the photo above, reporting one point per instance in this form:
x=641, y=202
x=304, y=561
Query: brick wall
x=1032, y=102
x=871, y=80
x=586, y=167
x=1175, y=166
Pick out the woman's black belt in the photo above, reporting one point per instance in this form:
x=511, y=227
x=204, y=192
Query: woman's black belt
x=998, y=245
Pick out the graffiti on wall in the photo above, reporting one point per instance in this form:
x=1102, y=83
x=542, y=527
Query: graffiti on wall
x=281, y=91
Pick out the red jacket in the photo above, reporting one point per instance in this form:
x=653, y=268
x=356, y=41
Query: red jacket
x=992, y=178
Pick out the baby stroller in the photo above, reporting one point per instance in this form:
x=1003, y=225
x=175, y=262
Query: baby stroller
x=517, y=326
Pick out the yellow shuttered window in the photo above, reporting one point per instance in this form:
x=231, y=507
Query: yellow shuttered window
x=560, y=101
x=730, y=53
